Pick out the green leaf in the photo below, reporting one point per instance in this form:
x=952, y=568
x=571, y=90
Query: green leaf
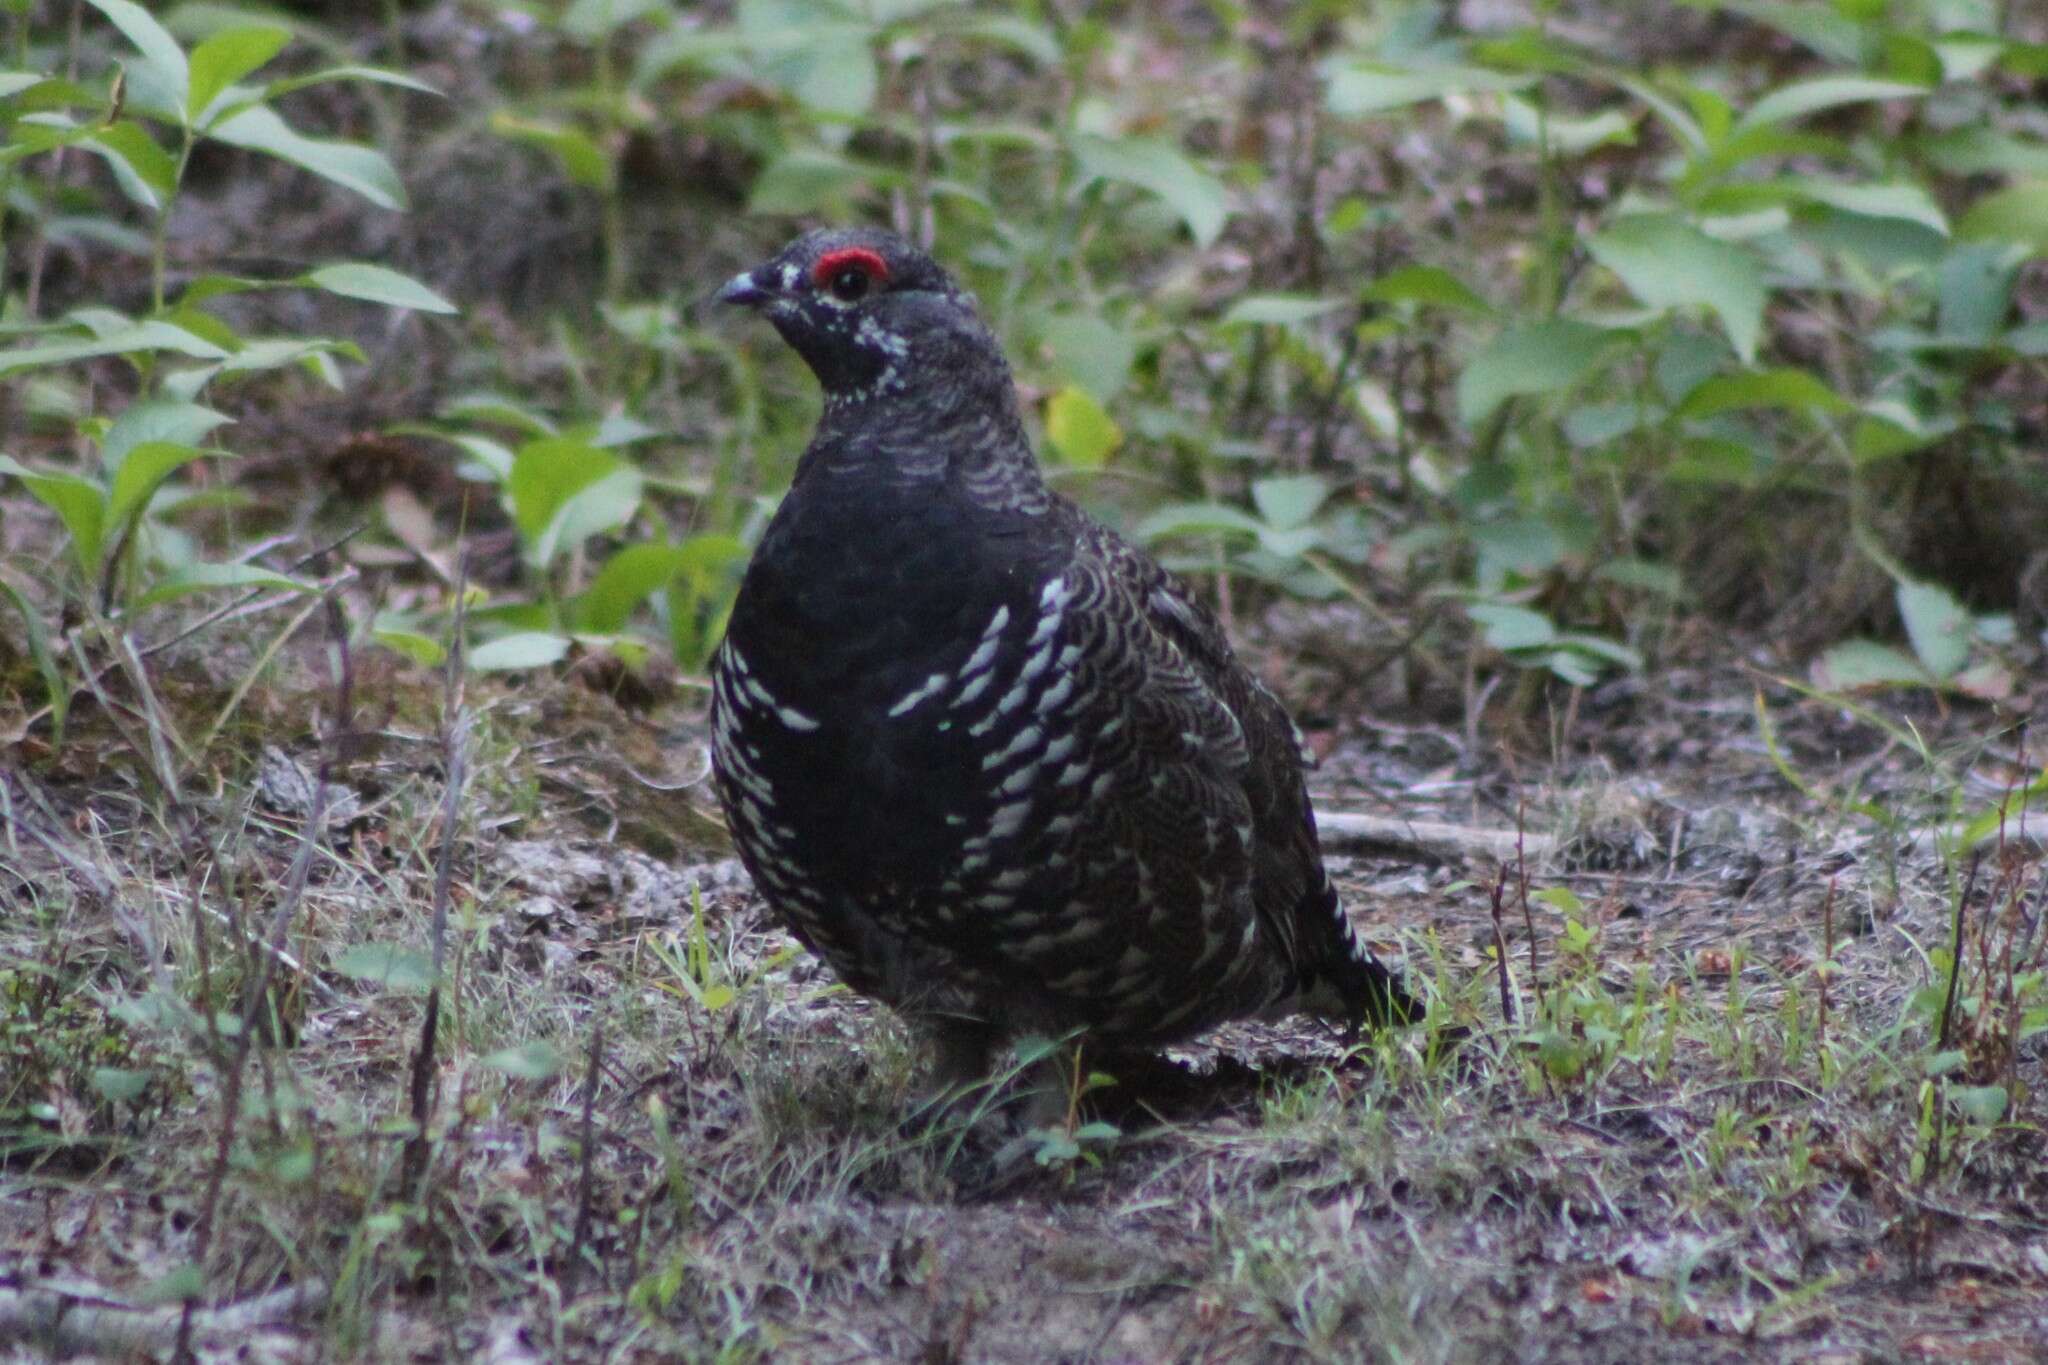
x=1198, y=518
x=1937, y=624
x=225, y=58
x=1667, y=263
x=1534, y=358
x=590, y=20
x=407, y=971
x=371, y=75
x=361, y=169
x=565, y=490
x=1160, y=168
x=421, y=649
x=124, y=338
x=524, y=650
x=1277, y=310
x=1088, y=350
x=1508, y=628
x=803, y=182
x=1801, y=98
x=1527, y=124
x=1290, y=501
x=1427, y=285
x=2018, y=213
x=1980, y=1103
x=153, y=41
x=120, y=1084
x=532, y=1061
x=377, y=284
x=581, y=159
x=1901, y=201
x=79, y=503
x=1784, y=387
x=1856, y=664
x=151, y=175
x=1080, y=432
x=629, y=578
x=204, y=577
x=157, y=420
x=144, y=468
x=1361, y=88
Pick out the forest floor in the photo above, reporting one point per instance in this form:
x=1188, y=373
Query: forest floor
x=1721, y=1124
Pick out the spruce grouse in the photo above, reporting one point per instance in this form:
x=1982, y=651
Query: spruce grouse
x=985, y=757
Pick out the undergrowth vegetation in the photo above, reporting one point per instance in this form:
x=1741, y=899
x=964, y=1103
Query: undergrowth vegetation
x=1647, y=405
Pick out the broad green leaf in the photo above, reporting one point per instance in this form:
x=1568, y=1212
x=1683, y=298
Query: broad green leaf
x=1194, y=519
x=79, y=503
x=1191, y=192
x=157, y=420
x=1938, y=626
x=589, y=20
x=1785, y=387
x=146, y=466
x=204, y=577
x=225, y=58
x=12, y=83
x=1034, y=40
x=361, y=169
x=1801, y=98
x=1527, y=124
x=1856, y=664
x=802, y=182
x=374, y=75
x=1534, y=358
x=534, y=1061
x=1980, y=1103
x=1661, y=579
x=1088, y=350
x=527, y=649
x=153, y=41
x=2018, y=213
x=1360, y=88
x=499, y=410
x=147, y=172
x=1290, y=500
x=629, y=578
x=405, y=970
x=1427, y=285
x=581, y=159
x=421, y=649
x=1667, y=263
x=376, y=283
x=1905, y=202
x=120, y=1084
x=1279, y=310
x=565, y=490
x=1079, y=431
x=1508, y=628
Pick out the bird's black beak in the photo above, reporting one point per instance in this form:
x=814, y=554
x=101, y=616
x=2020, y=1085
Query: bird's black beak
x=744, y=290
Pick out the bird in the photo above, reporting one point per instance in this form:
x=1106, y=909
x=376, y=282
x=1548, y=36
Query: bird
x=984, y=756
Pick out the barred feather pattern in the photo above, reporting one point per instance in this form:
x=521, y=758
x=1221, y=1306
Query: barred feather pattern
x=991, y=761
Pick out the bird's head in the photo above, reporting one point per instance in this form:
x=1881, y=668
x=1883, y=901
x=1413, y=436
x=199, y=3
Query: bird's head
x=869, y=313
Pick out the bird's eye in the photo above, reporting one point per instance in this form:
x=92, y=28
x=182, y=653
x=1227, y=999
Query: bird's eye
x=849, y=283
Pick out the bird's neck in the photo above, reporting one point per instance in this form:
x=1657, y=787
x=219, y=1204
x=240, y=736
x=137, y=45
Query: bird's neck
x=932, y=423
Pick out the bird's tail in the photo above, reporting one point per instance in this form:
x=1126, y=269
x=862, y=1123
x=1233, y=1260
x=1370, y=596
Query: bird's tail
x=1341, y=979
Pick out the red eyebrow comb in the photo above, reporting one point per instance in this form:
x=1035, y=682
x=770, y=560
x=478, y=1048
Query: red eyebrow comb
x=858, y=258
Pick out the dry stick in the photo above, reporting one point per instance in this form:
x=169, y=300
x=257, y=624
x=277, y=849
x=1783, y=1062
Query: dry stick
x=1500, y=945
x=1827, y=958
x=258, y=987
x=455, y=758
x=1955, y=956
x=1522, y=894
x=574, y=1266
